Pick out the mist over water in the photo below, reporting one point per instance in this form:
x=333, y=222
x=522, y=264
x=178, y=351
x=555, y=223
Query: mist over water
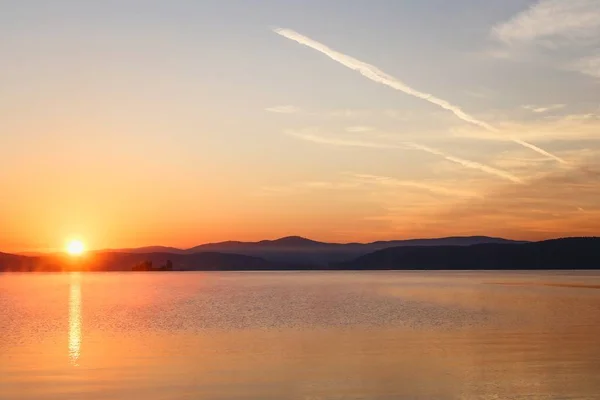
x=300, y=335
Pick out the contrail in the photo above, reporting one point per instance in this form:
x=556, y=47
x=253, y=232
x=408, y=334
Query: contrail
x=384, y=180
x=541, y=151
x=406, y=145
x=377, y=75
x=466, y=163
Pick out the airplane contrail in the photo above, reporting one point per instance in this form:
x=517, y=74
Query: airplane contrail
x=465, y=163
x=385, y=180
x=406, y=145
x=537, y=149
x=377, y=75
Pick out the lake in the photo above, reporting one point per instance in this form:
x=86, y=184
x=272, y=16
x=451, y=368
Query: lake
x=300, y=335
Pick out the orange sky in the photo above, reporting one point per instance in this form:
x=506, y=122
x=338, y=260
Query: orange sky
x=189, y=124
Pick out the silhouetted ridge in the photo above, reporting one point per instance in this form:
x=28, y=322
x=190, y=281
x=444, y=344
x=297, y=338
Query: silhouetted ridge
x=566, y=253
x=147, y=249
x=300, y=250
x=292, y=241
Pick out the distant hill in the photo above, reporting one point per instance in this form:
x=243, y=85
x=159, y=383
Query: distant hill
x=147, y=249
x=16, y=262
x=283, y=253
x=289, y=242
x=295, y=249
x=568, y=253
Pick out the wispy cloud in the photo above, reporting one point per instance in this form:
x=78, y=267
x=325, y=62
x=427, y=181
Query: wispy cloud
x=407, y=146
x=359, y=129
x=401, y=115
x=311, y=137
x=543, y=109
x=529, y=167
x=587, y=65
x=368, y=183
x=551, y=128
x=350, y=113
x=479, y=93
x=552, y=23
x=430, y=187
x=376, y=75
x=284, y=109
x=550, y=205
x=303, y=187
x=570, y=25
x=499, y=53
x=561, y=202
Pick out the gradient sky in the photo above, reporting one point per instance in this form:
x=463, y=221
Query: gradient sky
x=130, y=123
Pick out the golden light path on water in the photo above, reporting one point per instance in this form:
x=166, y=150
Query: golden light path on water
x=75, y=319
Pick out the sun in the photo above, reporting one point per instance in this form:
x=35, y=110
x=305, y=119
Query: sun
x=75, y=247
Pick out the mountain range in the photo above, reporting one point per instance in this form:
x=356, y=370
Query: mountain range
x=567, y=253
x=299, y=250
x=297, y=253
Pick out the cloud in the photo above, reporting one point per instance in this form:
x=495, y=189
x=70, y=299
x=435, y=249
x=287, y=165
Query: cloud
x=543, y=109
x=517, y=161
x=548, y=206
x=406, y=146
x=376, y=75
x=551, y=128
x=284, y=109
x=401, y=115
x=587, y=66
x=341, y=142
x=349, y=113
x=433, y=188
x=499, y=53
x=571, y=25
x=359, y=129
x=552, y=23
x=303, y=187
x=386, y=191
x=561, y=203
x=479, y=94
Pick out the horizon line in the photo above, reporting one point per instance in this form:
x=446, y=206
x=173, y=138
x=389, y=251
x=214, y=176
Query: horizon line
x=32, y=253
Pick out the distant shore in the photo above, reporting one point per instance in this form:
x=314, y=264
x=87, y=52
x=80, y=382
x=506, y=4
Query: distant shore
x=567, y=253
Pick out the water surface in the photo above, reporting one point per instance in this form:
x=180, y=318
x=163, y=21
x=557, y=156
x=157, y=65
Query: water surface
x=300, y=335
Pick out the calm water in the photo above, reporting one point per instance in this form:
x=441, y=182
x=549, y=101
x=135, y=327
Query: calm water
x=309, y=335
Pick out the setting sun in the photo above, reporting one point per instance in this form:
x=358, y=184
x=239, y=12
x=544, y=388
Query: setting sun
x=75, y=247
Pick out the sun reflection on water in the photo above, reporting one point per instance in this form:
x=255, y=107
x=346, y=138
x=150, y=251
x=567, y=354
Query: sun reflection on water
x=75, y=319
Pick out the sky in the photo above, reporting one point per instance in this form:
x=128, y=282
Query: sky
x=131, y=123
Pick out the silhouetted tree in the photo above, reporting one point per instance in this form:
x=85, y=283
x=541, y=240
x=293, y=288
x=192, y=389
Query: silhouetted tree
x=143, y=266
x=167, y=267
